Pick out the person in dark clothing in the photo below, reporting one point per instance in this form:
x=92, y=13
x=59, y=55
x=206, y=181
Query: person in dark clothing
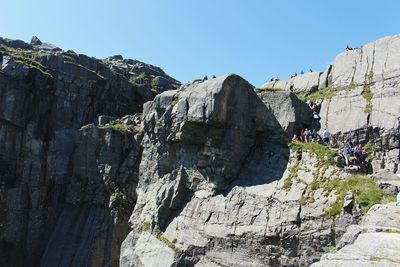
x=315, y=136
x=205, y=78
x=302, y=135
x=359, y=153
x=350, y=143
x=309, y=136
x=214, y=76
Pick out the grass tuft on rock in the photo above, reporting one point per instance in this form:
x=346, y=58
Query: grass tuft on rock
x=146, y=226
x=170, y=244
x=324, y=154
x=287, y=184
x=368, y=98
x=260, y=90
x=119, y=127
x=367, y=193
x=325, y=94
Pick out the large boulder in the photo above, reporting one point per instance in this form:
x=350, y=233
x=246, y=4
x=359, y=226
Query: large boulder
x=196, y=141
x=308, y=82
x=218, y=184
x=291, y=113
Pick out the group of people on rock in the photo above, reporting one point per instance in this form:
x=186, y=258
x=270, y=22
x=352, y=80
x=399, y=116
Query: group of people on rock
x=350, y=149
x=301, y=73
x=274, y=79
x=206, y=78
x=309, y=136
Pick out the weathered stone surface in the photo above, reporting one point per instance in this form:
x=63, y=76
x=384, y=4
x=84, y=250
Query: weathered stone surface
x=325, y=79
x=370, y=249
x=150, y=251
x=344, y=113
x=367, y=107
x=204, y=211
x=375, y=61
x=308, y=82
x=291, y=113
x=375, y=242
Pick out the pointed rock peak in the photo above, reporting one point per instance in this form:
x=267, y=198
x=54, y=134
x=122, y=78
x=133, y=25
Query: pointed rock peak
x=35, y=41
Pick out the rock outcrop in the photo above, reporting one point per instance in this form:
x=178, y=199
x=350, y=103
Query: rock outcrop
x=218, y=187
x=374, y=242
x=291, y=113
x=308, y=82
x=360, y=97
x=57, y=183
x=205, y=176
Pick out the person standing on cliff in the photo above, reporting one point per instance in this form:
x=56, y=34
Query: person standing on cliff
x=325, y=137
x=346, y=153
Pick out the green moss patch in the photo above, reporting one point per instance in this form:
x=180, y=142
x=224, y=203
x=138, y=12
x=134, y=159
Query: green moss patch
x=146, y=226
x=170, y=244
x=27, y=58
x=367, y=193
x=325, y=94
x=324, y=154
x=259, y=90
x=119, y=127
x=287, y=184
x=368, y=98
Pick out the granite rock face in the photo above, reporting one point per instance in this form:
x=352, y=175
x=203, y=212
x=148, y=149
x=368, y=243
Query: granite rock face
x=359, y=96
x=365, y=104
x=291, y=113
x=204, y=177
x=56, y=182
x=308, y=82
x=370, y=105
x=99, y=198
x=374, y=242
x=217, y=188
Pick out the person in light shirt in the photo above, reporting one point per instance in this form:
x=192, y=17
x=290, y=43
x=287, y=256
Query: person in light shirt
x=325, y=137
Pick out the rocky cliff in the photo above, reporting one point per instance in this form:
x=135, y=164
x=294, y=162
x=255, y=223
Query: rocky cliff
x=113, y=163
x=357, y=97
x=59, y=183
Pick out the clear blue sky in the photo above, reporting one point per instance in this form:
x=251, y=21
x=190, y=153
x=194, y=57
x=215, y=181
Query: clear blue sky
x=256, y=39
